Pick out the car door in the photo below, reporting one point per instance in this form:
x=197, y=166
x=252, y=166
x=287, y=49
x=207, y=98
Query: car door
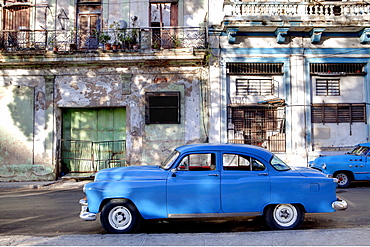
x=194, y=188
x=359, y=164
x=245, y=183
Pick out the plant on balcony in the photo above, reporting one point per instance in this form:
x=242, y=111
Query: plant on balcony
x=104, y=38
x=176, y=42
x=134, y=35
x=124, y=39
x=54, y=44
x=72, y=39
x=117, y=34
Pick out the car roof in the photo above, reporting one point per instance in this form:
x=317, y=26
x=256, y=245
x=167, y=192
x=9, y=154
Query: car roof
x=367, y=144
x=225, y=147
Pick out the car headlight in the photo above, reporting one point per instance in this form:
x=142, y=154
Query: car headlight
x=323, y=166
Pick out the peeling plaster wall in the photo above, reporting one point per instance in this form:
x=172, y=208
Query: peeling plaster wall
x=146, y=144
x=94, y=87
x=25, y=140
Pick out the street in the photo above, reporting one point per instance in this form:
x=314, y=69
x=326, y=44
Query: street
x=54, y=212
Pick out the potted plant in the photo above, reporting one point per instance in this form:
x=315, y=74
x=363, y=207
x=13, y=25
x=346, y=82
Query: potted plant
x=104, y=38
x=134, y=34
x=124, y=39
x=117, y=34
x=53, y=43
x=72, y=39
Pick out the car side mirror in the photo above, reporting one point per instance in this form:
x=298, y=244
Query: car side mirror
x=173, y=171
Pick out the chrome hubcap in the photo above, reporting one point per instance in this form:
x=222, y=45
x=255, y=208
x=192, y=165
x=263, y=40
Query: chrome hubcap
x=285, y=214
x=120, y=218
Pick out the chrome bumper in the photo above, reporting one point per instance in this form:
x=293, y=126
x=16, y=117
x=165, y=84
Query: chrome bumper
x=84, y=214
x=339, y=205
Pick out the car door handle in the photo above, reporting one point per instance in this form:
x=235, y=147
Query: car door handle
x=263, y=174
x=213, y=175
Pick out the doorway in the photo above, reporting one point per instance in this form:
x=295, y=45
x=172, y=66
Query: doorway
x=92, y=139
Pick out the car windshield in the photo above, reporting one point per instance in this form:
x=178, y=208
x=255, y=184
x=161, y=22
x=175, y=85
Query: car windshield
x=169, y=161
x=360, y=150
x=278, y=164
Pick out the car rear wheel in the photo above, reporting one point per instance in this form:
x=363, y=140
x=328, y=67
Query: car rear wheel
x=284, y=216
x=344, y=179
x=120, y=216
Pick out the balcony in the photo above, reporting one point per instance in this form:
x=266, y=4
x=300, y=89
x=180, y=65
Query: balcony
x=300, y=16
x=113, y=40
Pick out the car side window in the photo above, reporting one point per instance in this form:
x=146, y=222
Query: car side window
x=366, y=152
x=198, y=162
x=238, y=162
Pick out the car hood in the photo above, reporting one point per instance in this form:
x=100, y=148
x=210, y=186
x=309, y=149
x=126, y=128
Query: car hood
x=131, y=173
x=335, y=158
x=307, y=172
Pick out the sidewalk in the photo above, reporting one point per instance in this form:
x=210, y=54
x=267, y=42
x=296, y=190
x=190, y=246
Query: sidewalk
x=327, y=237
x=60, y=184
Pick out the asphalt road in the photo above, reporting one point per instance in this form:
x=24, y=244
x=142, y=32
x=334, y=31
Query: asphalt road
x=54, y=212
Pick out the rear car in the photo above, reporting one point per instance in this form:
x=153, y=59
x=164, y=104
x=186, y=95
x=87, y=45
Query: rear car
x=352, y=166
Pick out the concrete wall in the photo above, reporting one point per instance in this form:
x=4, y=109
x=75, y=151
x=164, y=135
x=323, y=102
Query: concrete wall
x=29, y=146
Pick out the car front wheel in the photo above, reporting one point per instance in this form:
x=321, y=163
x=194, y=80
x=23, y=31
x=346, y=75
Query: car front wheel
x=344, y=179
x=284, y=216
x=120, y=216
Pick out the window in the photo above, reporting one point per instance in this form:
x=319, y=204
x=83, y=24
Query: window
x=254, y=87
x=163, y=14
x=361, y=150
x=241, y=163
x=338, y=113
x=89, y=22
x=162, y=108
x=337, y=68
x=198, y=162
x=257, y=125
x=327, y=87
x=254, y=68
x=278, y=164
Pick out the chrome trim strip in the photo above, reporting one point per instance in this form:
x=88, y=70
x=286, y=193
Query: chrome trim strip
x=214, y=215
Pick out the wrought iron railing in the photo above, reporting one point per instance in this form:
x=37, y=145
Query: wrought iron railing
x=77, y=156
x=298, y=9
x=129, y=39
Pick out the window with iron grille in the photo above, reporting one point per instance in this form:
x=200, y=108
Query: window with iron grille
x=254, y=87
x=338, y=113
x=257, y=125
x=254, y=68
x=162, y=108
x=337, y=68
x=327, y=87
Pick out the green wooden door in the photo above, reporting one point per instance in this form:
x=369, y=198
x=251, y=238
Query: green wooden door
x=93, y=139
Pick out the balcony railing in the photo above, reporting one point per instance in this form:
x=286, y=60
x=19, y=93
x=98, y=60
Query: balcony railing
x=302, y=9
x=129, y=39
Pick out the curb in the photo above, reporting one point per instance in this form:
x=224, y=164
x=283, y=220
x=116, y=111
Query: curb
x=61, y=184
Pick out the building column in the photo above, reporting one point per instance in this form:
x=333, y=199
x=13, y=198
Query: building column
x=297, y=154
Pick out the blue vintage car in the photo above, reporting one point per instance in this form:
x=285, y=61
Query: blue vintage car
x=209, y=180
x=349, y=167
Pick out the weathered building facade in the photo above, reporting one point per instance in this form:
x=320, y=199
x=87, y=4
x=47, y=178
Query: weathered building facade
x=87, y=85
x=291, y=76
x=72, y=105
